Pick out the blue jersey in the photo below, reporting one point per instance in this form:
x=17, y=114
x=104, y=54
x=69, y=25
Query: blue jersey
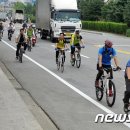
x=107, y=54
x=127, y=65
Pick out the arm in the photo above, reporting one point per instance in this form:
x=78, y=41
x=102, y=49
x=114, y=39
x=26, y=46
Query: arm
x=128, y=72
x=16, y=39
x=72, y=40
x=100, y=60
x=81, y=40
x=56, y=45
x=116, y=61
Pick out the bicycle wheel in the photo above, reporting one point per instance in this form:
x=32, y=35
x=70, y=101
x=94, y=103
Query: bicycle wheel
x=99, y=91
x=73, y=62
x=62, y=65
x=29, y=47
x=21, y=56
x=58, y=65
x=78, y=60
x=111, y=94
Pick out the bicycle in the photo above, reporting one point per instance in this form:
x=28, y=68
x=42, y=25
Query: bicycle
x=106, y=85
x=29, y=44
x=76, y=58
x=61, y=59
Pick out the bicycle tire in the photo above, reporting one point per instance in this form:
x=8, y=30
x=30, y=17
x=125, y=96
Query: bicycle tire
x=20, y=57
x=99, y=91
x=58, y=65
x=62, y=66
x=113, y=94
x=29, y=46
x=78, y=61
x=73, y=62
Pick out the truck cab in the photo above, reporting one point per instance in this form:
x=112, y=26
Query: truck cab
x=64, y=21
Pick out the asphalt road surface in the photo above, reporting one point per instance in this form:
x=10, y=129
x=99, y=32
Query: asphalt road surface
x=69, y=98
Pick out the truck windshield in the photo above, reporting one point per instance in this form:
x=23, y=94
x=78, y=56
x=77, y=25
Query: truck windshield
x=67, y=16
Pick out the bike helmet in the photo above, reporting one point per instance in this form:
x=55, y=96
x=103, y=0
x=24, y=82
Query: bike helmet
x=77, y=31
x=108, y=43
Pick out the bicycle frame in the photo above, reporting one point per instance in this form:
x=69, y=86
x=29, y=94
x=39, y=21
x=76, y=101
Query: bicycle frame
x=61, y=56
x=76, y=52
x=105, y=80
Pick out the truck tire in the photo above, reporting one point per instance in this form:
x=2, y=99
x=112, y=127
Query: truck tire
x=43, y=34
x=53, y=39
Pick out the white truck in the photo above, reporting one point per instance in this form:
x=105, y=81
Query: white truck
x=3, y=16
x=57, y=16
x=18, y=16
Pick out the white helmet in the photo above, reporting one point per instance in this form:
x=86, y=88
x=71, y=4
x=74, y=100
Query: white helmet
x=34, y=26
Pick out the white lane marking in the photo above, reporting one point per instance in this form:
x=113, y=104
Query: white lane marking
x=69, y=85
x=81, y=54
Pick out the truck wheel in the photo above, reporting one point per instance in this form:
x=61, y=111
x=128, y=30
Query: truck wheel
x=53, y=40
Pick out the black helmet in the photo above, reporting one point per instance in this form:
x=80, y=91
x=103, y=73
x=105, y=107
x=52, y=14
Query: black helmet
x=77, y=31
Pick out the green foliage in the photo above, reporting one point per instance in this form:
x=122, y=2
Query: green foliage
x=118, y=28
x=128, y=32
x=127, y=13
x=29, y=10
x=113, y=11
x=91, y=9
x=19, y=5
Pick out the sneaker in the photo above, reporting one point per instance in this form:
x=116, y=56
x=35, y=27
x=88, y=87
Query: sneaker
x=125, y=107
x=96, y=83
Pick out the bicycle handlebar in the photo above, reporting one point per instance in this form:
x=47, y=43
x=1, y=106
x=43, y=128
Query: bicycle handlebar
x=114, y=69
x=66, y=49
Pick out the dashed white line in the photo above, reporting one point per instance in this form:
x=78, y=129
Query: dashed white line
x=68, y=84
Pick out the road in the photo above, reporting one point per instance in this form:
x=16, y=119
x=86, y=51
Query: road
x=68, y=98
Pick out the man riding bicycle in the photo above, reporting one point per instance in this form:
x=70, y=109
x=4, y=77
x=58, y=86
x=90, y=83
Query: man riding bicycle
x=10, y=28
x=76, y=40
x=1, y=28
x=30, y=33
x=127, y=81
x=60, y=44
x=21, y=41
x=105, y=55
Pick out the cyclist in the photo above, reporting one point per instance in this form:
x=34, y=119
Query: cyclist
x=30, y=33
x=127, y=81
x=21, y=41
x=34, y=28
x=76, y=40
x=10, y=28
x=1, y=28
x=60, y=44
x=24, y=25
x=105, y=55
